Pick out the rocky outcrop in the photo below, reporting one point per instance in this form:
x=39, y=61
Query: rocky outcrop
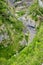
x=30, y=25
x=41, y=3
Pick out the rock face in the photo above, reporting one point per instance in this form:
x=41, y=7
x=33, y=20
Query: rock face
x=27, y=0
x=20, y=3
x=27, y=22
x=12, y=1
x=41, y=3
x=30, y=25
x=3, y=33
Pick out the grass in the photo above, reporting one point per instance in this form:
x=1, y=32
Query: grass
x=3, y=61
x=14, y=53
x=35, y=10
x=32, y=54
x=13, y=28
x=21, y=13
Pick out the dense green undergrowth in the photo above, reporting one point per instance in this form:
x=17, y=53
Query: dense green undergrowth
x=12, y=31
x=33, y=54
x=35, y=10
x=10, y=48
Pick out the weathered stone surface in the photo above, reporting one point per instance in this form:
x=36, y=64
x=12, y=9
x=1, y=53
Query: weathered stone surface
x=30, y=25
x=41, y=3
